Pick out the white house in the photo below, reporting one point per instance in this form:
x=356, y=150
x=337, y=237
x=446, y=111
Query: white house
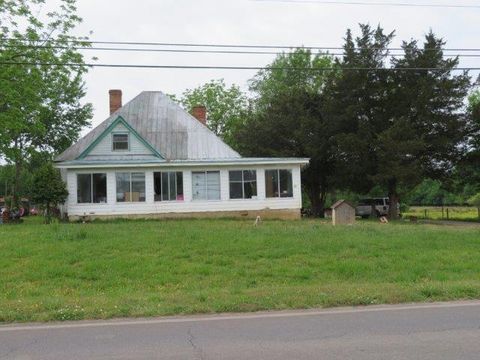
x=151, y=158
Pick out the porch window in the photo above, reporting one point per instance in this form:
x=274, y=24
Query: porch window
x=120, y=142
x=206, y=185
x=130, y=187
x=278, y=183
x=243, y=184
x=91, y=188
x=168, y=186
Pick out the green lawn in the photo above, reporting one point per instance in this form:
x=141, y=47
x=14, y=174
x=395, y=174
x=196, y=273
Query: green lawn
x=462, y=213
x=145, y=268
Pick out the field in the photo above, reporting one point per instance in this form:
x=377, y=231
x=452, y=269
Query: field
x=147, y=268
x=461, y=213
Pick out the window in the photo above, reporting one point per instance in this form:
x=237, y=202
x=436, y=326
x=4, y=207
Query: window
x=168, y=186
x=206, y=185
x=278, y=183
x=120, y=142
x=243, y=184
x=91, y=188
x=130, y=187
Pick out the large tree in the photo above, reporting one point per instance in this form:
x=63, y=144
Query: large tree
x=400, y=122
x=226, y=107
x=40, y=104
x=287, y=119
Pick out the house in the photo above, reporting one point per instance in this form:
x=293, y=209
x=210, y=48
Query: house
x=343, y=213
x=151, y=158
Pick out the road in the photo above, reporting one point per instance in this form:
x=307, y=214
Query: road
x=428, y=331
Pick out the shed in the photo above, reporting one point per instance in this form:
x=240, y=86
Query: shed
x=343, y=213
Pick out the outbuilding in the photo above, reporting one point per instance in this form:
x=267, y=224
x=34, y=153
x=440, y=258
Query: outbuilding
x=343, y=213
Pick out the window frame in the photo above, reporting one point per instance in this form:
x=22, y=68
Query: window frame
x=243, y=181
x=279, y=196
x=91, y=188
x=161, y=186
x=205, y=172
x=130, y=187
x=128, y=141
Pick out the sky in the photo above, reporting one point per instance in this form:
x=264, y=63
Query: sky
x=242, y=22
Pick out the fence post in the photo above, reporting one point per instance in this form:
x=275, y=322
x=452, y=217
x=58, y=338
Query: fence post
x=447, y=215
x=443, y=212
x=425, y=211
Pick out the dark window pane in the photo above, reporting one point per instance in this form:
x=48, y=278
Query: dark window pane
x=165, y=186
x=236, y=190
x=179, y=186
x=250, y=189
x=286, y=186
x=249, y=175
x=138, y=187
x=379, y=202
x=271, y=183
x=84, y=188
x=157, y=185
x=172, y=186
x=120, y=141
x=99, y=188
x=123, y=187
x=235, y=175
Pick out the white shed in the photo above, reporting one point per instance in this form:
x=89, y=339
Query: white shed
x=343, y=213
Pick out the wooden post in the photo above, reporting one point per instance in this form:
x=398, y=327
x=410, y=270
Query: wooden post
x=447, y=214
x=425, y=211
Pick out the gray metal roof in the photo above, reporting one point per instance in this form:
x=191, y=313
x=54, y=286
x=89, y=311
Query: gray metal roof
x=167, y=127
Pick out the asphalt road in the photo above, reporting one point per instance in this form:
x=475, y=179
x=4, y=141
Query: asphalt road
x=431, y=331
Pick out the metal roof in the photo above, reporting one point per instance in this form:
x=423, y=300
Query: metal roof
x=167, y=127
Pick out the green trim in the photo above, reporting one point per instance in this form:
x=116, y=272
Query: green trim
x=108, y=130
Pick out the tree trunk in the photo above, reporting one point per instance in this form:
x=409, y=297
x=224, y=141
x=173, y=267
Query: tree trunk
x=393, y=200
x=16, y=184
x=317, y=199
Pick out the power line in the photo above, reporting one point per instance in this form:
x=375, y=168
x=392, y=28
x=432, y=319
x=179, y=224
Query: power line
x=322, y=2
x=212, y=45
x=217, y=67
x=239, y=52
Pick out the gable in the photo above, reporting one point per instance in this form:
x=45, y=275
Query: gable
x=167, y=128
x=102, y=147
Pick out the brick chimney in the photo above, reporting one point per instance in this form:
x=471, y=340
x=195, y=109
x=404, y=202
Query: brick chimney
x=115, y=100
x=200, y=113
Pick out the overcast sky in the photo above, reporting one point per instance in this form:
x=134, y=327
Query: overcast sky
x=242, y=22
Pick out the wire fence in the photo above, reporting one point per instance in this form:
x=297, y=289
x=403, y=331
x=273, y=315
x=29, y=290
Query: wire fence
x=462, y=213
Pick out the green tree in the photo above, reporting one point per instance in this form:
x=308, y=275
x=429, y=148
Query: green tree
x=226, y=107
x=40, y=107
x=287, y=119
x=399, y=126
x=50, y=189
x=475, y=201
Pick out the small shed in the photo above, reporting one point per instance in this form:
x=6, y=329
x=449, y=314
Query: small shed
x=343, y=213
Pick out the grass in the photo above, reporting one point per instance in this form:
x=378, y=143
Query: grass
x=146, y=268
x=461, y=213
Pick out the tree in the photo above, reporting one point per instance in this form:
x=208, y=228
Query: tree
x=398, y=126
x=475, y=201
x=226, y=107
x=468, y=171
x=287, y=119
x=40, y=107
x=50, y=189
